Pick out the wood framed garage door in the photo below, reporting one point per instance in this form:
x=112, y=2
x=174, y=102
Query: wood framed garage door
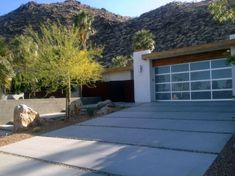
x=194, y=81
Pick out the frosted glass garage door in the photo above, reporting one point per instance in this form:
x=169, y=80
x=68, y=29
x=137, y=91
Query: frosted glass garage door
x=195, y=81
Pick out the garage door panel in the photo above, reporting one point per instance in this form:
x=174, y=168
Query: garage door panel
x=163, y=96
x=222, y=84
x=180, y=68
x=180, y=86
x=200, y=65
x=163, y=87
x=162, y=70
x=180, y=77
x=163, y=78
x=224, y=73
x=222, y=94
x=219, y=63
x=201, y=75
x=180, y=95
x=201, y=85
x=201, y=95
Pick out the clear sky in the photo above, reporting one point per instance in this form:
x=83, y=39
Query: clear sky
x=122, y=7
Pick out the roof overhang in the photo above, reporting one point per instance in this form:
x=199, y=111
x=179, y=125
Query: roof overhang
x=118, y=69
x=219, y=45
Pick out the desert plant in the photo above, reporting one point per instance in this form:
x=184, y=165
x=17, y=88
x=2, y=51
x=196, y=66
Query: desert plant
x=143, y=40
x=121, y=61
x=56, y=58
x=223, y=10
x=6, y=68
x=83, y=21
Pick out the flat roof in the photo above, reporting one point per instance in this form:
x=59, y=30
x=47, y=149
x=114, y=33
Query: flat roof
x=219, y=45
x=118, y=69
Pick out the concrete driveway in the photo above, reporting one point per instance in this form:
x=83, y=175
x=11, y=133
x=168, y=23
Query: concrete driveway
x=164, y=139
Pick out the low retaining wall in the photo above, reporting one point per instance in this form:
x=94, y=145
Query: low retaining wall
x=43, y=106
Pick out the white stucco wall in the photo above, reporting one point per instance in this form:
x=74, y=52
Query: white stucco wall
x=117, y=76
x=233, y=65
x=142, y=77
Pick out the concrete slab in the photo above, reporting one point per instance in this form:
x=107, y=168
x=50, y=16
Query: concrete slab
x=166, y=124
x=192, y=141
x=178, y=109
x=18, y=166
x=112, y=158
x=185, y=107
x=175, y=115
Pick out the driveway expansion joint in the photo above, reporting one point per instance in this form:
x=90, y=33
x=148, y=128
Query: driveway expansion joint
x=62, y=164
x=139, y=145
x=167, y=118
x=155, y=129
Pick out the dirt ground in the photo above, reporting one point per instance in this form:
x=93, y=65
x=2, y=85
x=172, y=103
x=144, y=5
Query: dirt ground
x=48, y=126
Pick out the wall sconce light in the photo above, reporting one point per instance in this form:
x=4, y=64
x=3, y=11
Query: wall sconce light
x=140, y=69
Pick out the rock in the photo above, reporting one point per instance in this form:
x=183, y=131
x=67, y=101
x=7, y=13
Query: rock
x=75, y=107
x=102, y=104
x=36, y=130
x=24, y=117
x=104, y=110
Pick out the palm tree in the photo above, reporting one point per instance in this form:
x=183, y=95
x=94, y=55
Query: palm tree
x=83, y=21
x=223, y=10
x=143, y=40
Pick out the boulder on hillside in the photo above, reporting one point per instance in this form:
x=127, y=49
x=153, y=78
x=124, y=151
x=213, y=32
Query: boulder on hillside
x=24, y=117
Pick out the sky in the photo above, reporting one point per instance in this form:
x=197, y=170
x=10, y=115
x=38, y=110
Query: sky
x=131, y=8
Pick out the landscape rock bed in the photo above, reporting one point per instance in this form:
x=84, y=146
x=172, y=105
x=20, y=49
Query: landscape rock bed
x=224, y=164
x=4, y=133
x=47, y=125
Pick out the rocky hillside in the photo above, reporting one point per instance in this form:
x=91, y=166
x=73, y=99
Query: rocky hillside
x=174, y=25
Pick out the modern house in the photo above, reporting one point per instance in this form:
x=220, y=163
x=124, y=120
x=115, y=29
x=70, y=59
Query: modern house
x=196, y=73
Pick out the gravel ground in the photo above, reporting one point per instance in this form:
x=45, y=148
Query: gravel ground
x=224, y=165
x=53, y=125
x=7, y=138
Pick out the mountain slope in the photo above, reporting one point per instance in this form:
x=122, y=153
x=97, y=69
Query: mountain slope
x=174, y=25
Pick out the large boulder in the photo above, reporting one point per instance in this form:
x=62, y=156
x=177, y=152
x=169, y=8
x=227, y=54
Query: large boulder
x=75, y=107
x=105, y=110
x=24, y=117
x=107, y=103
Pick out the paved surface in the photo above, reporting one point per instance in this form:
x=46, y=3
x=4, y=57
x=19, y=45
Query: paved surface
x=164, y=139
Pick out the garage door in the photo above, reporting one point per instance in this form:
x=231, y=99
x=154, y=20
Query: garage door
x=195, y=81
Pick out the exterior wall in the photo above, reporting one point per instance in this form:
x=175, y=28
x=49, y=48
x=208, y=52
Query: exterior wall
x=233, y=65
x=142, y=77
x=42, y=106
x=117, y=76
